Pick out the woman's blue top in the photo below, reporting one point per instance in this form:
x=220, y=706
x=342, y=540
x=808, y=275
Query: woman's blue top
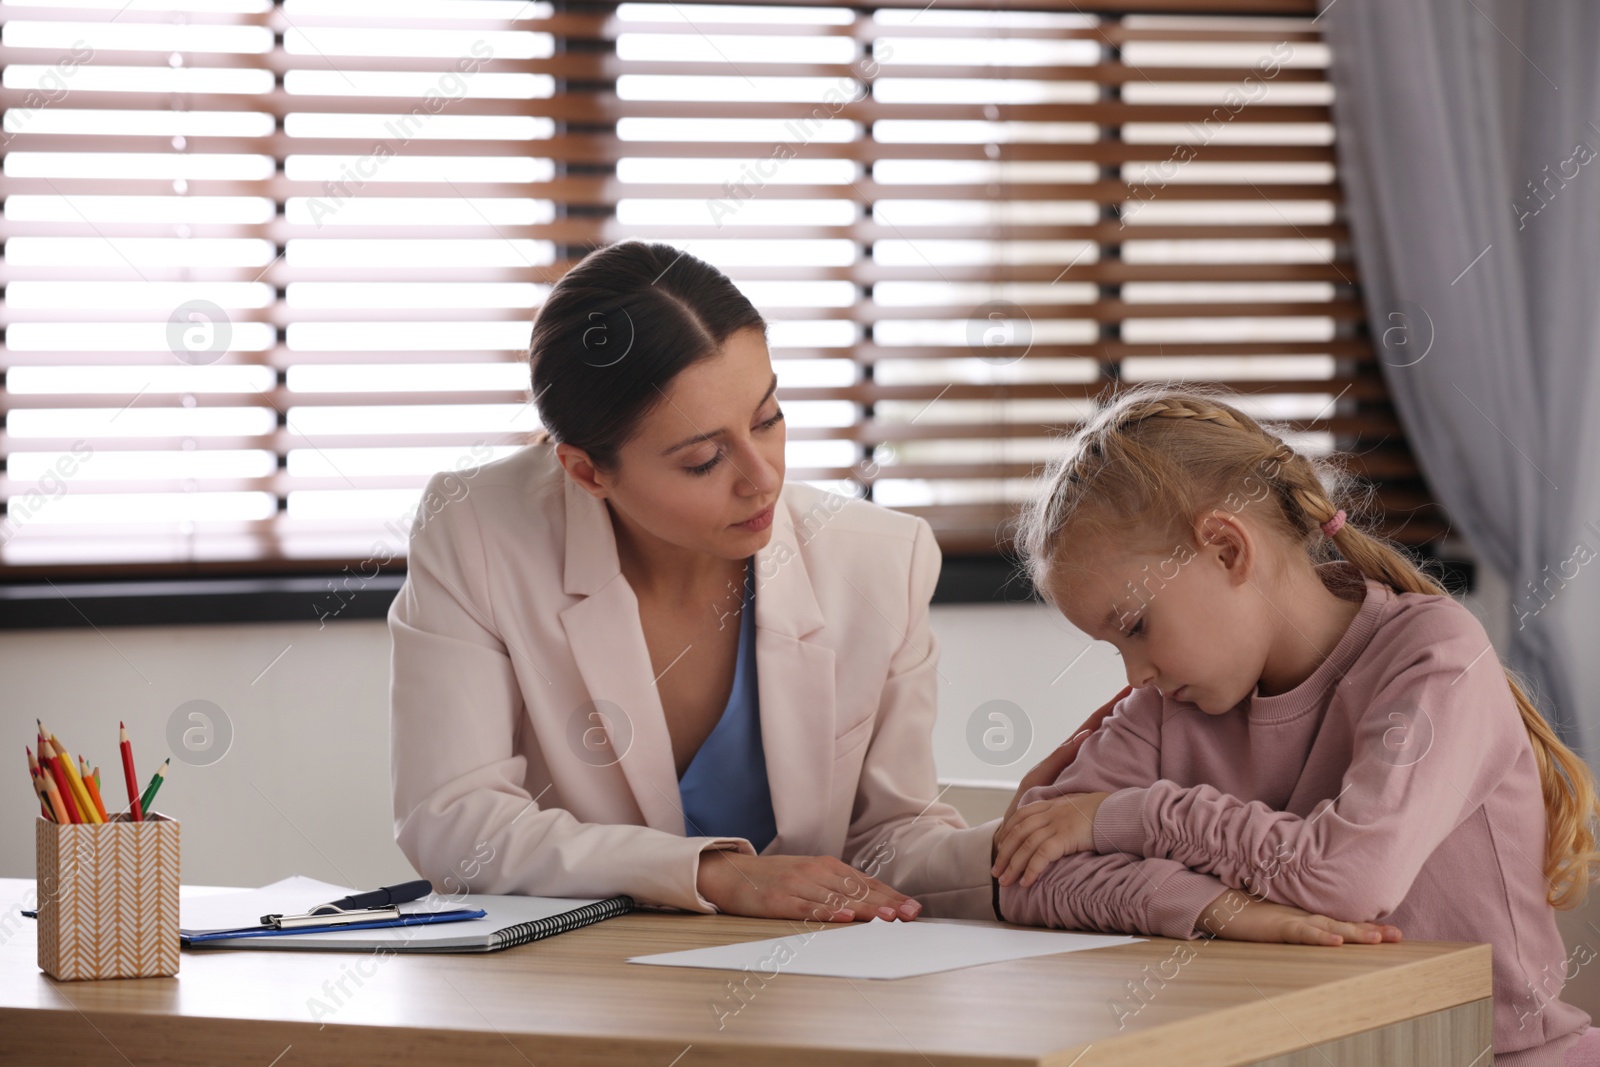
x=724, y=788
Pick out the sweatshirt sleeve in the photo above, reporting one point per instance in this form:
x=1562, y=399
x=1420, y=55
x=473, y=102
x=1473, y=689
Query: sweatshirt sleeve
x=1084, y=891
x=1113, y=894
x=1436, y=731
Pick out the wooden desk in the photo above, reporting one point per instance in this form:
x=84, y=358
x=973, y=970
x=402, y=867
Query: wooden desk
x=573, y=1000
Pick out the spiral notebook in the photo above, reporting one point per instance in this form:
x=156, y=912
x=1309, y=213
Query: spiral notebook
x=507, y=920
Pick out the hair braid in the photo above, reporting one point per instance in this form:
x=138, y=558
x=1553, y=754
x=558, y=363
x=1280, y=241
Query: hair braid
x=1567, y=783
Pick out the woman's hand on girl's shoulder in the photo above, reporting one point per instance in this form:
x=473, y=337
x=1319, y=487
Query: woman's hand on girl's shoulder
x=822, y=888
x=1047, y=770
x=1236, y=916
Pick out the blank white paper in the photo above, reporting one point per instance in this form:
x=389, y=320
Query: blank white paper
x=880, y=949
x=244, y=907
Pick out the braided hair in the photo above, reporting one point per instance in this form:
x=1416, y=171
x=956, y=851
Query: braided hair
x=1148, y=465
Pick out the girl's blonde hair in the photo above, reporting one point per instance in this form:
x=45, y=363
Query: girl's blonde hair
x=1158, y=458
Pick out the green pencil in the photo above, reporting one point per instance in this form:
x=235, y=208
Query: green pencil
x=155, y=783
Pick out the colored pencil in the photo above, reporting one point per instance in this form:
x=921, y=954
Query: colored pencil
x=135, y=811
x=34, y=771
x=57, y=804
x=79, y=792
x=74, y=789
x=155, y=784
x=93, y=788
x=39, y=789
x=60, y=789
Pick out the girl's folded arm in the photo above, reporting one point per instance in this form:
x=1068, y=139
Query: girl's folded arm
x=1430, y=745
x=1113, y=894
x=1123, y=894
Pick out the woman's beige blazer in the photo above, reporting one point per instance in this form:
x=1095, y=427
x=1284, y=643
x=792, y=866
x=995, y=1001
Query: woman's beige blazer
x=530, y=753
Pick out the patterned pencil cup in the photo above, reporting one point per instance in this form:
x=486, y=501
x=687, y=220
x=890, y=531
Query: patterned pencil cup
x=108, y=898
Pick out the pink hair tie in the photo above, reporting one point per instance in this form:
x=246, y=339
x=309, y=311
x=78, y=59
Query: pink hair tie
x=1335, y=524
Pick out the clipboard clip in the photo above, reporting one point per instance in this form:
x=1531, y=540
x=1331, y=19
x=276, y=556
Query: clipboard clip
x=330, y=918
x=377, y=906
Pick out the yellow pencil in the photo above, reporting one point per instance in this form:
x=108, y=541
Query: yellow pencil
x=93, y=786
x=79, y=794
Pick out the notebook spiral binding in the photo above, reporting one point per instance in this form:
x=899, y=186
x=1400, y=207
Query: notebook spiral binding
x=522, y=933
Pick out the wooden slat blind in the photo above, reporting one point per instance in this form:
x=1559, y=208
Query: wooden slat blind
x=268, y=265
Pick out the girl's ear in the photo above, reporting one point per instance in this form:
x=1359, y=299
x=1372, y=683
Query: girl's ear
x=1230, y=542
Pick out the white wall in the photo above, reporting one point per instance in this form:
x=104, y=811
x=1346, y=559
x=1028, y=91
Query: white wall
x=304, y=787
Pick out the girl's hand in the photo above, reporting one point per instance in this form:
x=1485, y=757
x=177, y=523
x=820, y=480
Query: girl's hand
x=797, y=887
x=1047, y=770
x=1238, y=917
x=1039, y=834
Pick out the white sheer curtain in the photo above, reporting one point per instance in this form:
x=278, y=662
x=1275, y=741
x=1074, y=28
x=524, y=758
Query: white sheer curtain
x=1468, y=134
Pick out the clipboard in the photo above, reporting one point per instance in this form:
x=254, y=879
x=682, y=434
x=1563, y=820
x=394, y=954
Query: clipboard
x=352, y=922
x=357, y=911
x=226, y=920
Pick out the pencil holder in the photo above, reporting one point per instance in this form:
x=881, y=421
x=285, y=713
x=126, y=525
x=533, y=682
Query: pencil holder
x=108, y=898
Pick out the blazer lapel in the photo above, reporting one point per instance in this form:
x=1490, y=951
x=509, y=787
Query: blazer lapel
x=795, y=681
x=608, y=644
x=794, y=677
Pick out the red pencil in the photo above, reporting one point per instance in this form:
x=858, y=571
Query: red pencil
x=47, y=755
x=34, y=771
x=135, y=813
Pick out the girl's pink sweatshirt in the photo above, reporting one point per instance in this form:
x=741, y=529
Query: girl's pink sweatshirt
x=1396, y=783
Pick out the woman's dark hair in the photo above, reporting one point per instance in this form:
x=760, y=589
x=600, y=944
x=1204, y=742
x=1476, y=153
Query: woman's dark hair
x=615, y=330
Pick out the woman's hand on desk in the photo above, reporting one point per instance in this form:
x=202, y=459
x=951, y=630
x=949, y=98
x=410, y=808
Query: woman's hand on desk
x=1237, y=916
x=797, y=887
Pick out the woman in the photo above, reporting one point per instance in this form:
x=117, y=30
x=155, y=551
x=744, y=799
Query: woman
x=631, y=659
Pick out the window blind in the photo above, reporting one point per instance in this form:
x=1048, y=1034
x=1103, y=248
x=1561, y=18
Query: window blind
x=269, y=265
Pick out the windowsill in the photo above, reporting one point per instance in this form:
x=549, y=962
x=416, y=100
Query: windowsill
x=189, y=601
x=327, y=599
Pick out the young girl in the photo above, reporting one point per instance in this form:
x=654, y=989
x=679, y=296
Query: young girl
x=1332, y=736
